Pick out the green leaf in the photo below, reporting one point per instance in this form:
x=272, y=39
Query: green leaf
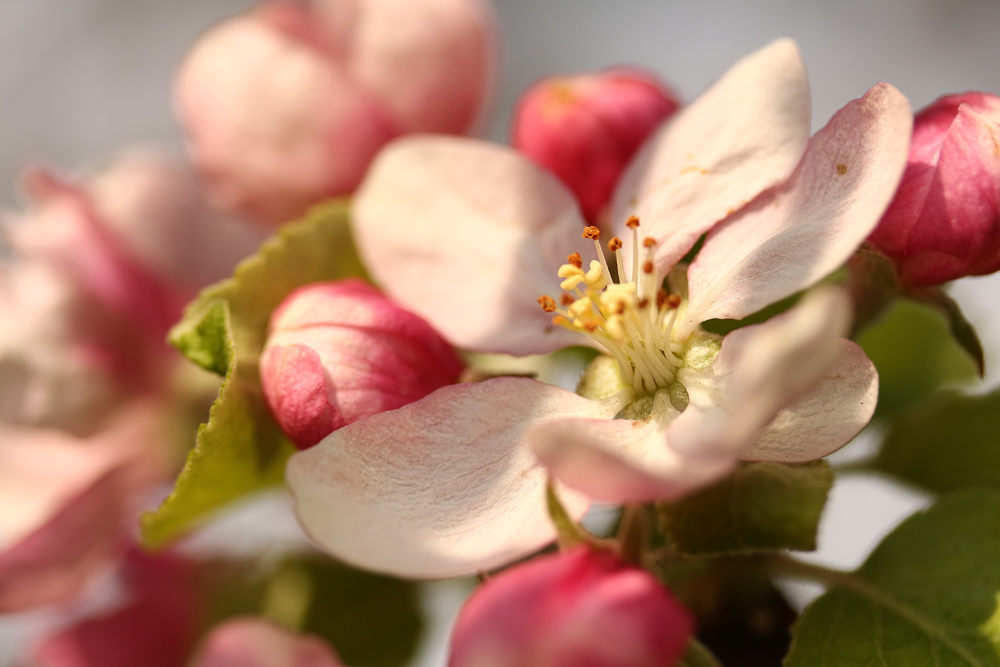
x=926, y=597
x=760, y=507
x=946, y=443
x=914, y=354
x=240, y=449
x=370, y=619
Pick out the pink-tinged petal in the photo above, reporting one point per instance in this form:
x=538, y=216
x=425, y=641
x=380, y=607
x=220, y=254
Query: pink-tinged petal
x=55, y=563
x=945, y=220
x=157, y=207
x=622, y=460
x=468, y=235
x=273, y=119
x=441, y=487
x=253, y=642
x=585, y=129
x=431, y=62
x=155, y=628
x=743, y=135
x=341, y=351
x=580, y=608
x=796, y=234
x=760, y=371
x=65, y=502
x=827, y=417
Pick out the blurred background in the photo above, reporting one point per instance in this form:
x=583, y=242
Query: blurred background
x=80, y=80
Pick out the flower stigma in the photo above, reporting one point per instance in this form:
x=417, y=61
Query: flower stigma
x=634, y=320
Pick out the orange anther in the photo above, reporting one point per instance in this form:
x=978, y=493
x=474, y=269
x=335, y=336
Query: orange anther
x=643, y=303
x=591, y=325
x=575, y=260
x=566, y=299
x=592, y=233
x=648, y=242
x=632, y=222
x=547, y=303
x=647, y=267
x=674, y=300
x=614, y=244
x=661, y=297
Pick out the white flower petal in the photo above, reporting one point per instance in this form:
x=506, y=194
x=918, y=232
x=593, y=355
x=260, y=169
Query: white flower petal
x=468, y=235
x=793, y=236
x=622, y=460
x=760, y=371
x=825, y=419
x=441, y=487
x=745, y=134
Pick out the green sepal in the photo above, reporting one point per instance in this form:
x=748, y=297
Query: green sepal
x=926, y=597
x=241, y=450
x=760, y=507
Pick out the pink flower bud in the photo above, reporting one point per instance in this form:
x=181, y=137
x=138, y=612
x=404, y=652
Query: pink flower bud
x=251, y=642
x=581, y=608
x=287, y=105
x=944, y=222
x=339, y=352
x=585, y=129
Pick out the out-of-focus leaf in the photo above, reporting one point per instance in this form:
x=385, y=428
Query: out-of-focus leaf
x=926, y=597
x=370, y=619
x=760, y=507
x=946, y=443
x=241, y=449
x=914, y=354
x=698, y=656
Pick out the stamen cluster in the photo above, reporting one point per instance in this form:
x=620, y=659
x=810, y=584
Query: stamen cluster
x=632, y=320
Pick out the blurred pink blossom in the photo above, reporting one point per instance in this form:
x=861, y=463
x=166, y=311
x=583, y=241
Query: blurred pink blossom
x=287, y=104
x=945, y=220
x=339, y=352
x=252, y=642
x=585, y=129
x=581, y=608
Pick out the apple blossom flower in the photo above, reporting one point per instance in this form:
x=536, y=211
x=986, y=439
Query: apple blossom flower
x=945, y=220
x=287, y=104
x=581, y=608
x=100, y=271
x=66, y=503
x=472, y=237
x=155, y=627
x=585, y=129
x=338, y=352
x=251, y=642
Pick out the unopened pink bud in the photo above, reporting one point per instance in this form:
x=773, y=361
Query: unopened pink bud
x=585, y=129
x=581, y=608
x=339, y=352
x=288, y=104
x=252, y=642
x=944, y=222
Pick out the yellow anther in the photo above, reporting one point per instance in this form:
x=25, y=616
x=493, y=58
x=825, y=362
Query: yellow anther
x=615, y=327
x=595, y=276
x=582, y=309
x=573, y=275
x=616, y=299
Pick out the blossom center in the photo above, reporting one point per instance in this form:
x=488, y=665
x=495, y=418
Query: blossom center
x=633, y=320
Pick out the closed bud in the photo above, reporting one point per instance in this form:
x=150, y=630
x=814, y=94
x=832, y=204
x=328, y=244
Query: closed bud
x=581, y=608
x=585, y=129
x=287, y=104
x=944, y=222
x=338, y=352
